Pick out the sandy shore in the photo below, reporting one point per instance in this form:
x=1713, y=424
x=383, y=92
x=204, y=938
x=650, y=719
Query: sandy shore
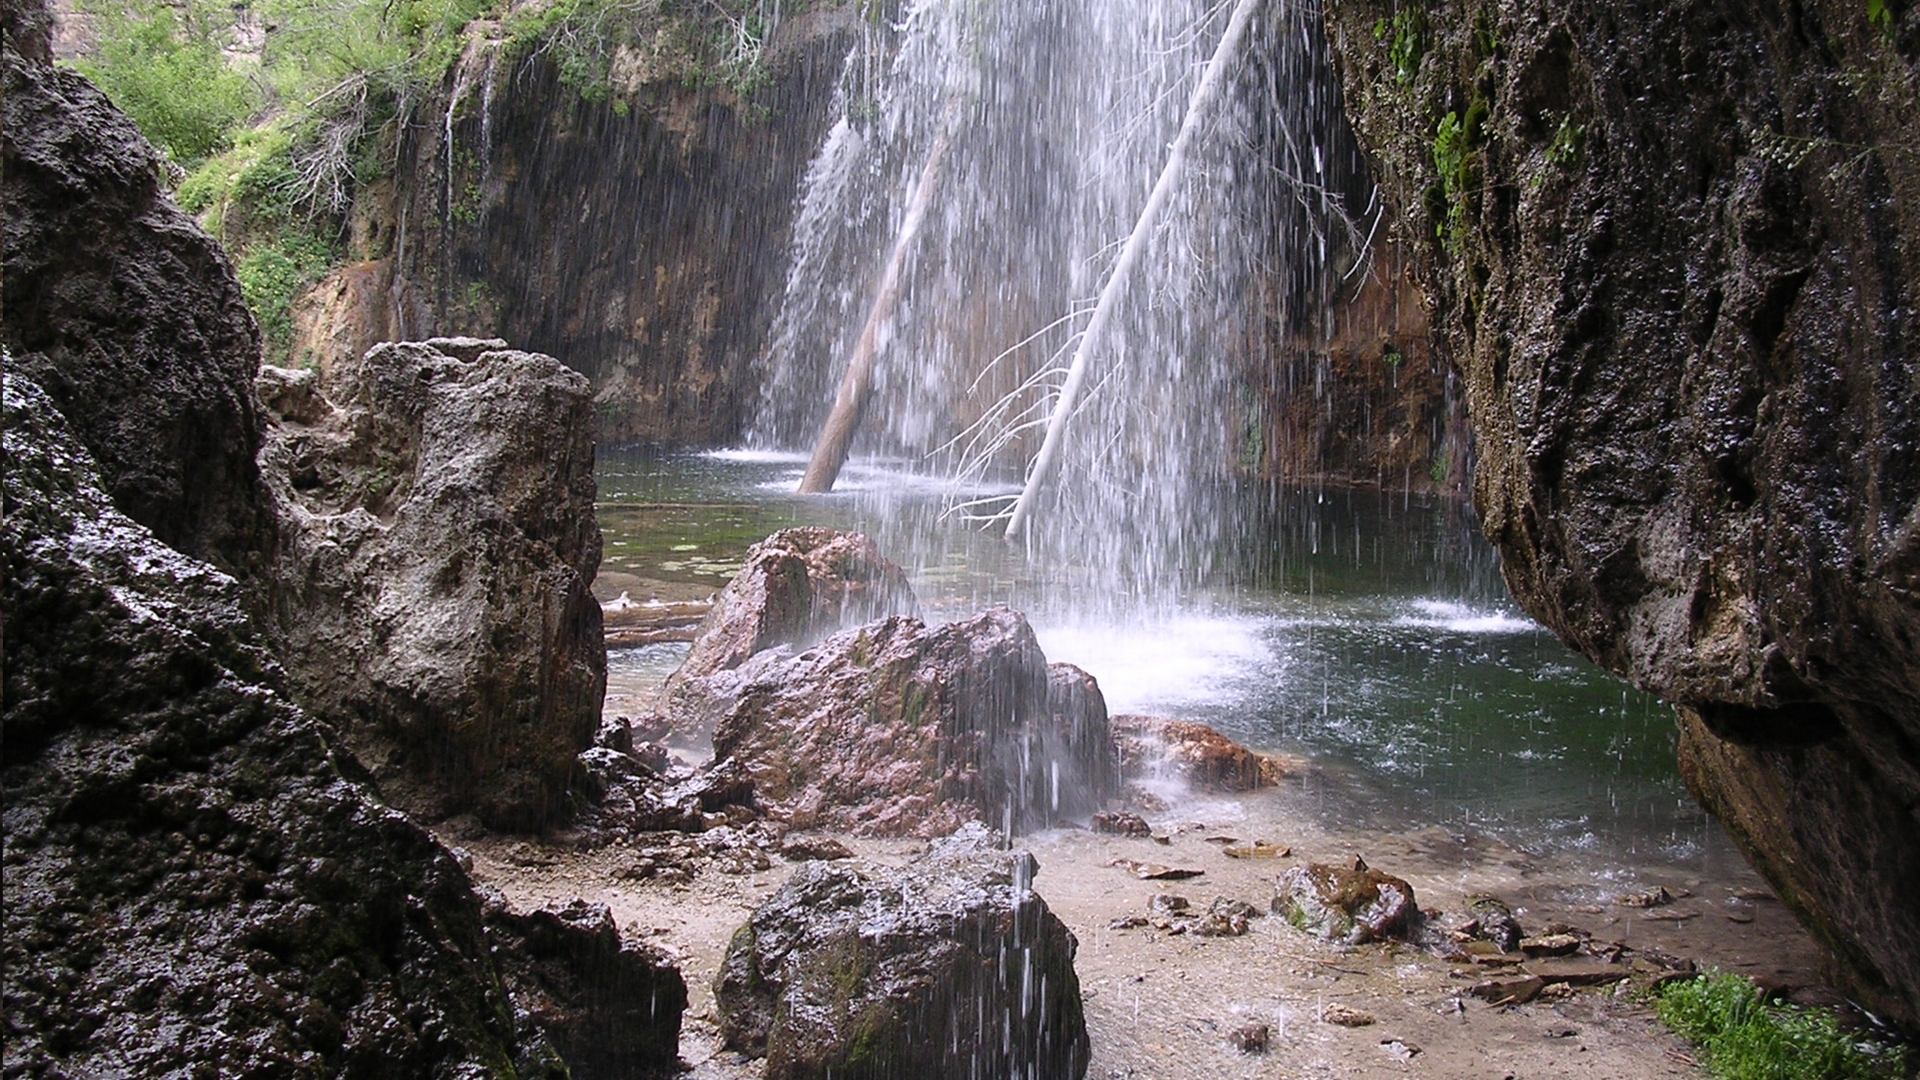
x=1164, y=1005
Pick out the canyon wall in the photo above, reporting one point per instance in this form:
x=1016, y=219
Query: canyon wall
x=1673, y=251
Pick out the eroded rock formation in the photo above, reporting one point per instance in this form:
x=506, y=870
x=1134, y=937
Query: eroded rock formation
x=128, y=315
x=1674, y=252
x=433, y=587
x=951, y=967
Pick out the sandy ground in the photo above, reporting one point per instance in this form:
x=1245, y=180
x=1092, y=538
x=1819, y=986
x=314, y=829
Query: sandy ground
x=1162, y=1005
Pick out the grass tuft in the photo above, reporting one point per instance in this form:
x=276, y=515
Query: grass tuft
x=1742, y=1037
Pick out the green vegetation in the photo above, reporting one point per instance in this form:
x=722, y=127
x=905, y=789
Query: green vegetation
x=1879, y=15
x=1742, y=1037
x=1405, y=38
x=1565, y=147
x=163, y=63
x=1455, y=141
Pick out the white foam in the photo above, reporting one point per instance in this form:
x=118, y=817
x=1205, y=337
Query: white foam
x=1459, y=618
x=1163, y=665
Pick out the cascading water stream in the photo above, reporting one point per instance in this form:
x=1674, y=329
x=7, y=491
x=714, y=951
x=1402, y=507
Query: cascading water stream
x=1068, y=113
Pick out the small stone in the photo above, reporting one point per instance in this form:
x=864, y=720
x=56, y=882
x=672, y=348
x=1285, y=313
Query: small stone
x=1120, y=823
x=1346, y=1017
x=1550, y=945
x=1654, y=897
x=1399, y=1049
x=1168, y=903
x=1251, y=1038
x=1259, y=849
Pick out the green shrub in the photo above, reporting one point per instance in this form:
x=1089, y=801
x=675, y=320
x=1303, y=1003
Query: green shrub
x=271, y=275
x=162, y=64
x=1741, y=1037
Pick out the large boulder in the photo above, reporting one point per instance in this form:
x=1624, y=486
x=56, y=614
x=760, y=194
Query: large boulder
x=899, y=728
x=1157, y=748
x=127, y=314
x=192, y=882
x=610, y=1007
x=433, y=592
x=951, y=968
x=1674, y=251
x=1351, y=905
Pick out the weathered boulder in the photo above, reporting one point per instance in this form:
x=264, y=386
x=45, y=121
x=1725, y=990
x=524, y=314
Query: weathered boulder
x=1350, y=905
x=951, y=967
x=795, y=587
x=128, y=315
x=899, y=728
x=1154, y=747
x=610, y=1007
x=191, y=882
x=1674, y=251
x=433, y=585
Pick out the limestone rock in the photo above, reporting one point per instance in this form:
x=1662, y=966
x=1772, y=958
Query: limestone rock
x=1676, y=268
x=128, y=316
x=191, y=880
x=951, y=967
x=434, y=580
x=898, y=728
x=795, y=587
x=611, y=1008
x=1346, y=905
x=1193, y=753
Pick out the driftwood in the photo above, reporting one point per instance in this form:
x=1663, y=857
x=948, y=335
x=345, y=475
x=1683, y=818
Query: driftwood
x=856, y=386
x=1198, y=107
x=628, y=623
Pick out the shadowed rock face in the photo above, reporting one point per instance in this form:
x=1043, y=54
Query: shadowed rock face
x=128, y=316
x=951, y=967
x=1674, y=252
x=433, y=588
x=190, y=880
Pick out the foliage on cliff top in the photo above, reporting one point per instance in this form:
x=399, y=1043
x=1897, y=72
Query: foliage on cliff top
x=1743, y=1037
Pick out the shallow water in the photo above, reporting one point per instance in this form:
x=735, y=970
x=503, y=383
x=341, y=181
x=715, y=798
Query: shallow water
x=1370, y=633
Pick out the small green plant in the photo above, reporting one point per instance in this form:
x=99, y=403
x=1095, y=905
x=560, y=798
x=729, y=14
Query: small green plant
x=1437, y=469
x=1565, y=147
x=1742, y=1037
x=1880, y=16
x=1392, y=358
x=1405, y=37
x=271, y=275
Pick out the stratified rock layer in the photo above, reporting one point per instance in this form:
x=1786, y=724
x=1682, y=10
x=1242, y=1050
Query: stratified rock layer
x=951, y=968
x=128, y=315
x=897, y=728
x=433, y=587
x=191, y=884
x=1675, y=252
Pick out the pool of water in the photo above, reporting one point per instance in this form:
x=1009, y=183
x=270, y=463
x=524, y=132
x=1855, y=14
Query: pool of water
x=1370, y=633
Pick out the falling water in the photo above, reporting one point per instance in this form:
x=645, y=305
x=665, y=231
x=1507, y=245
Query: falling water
x=1059, y=117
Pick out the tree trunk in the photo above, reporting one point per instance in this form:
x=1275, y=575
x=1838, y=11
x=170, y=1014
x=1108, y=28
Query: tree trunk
x=1048, y=460
x=856, y=386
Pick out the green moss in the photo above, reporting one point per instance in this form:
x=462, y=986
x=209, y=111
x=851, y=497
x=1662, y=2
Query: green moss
x=1456, y=143
x=1404, y=36
x=1741, y=1037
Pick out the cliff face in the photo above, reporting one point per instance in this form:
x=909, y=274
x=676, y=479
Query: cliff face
x=638, y=237
x=1674, y=252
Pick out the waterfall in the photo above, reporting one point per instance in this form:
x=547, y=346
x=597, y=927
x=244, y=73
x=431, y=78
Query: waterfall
x=1065, y=114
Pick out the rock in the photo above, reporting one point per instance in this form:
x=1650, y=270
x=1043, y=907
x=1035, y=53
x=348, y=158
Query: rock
x=1344, y=905
x=1510, y=991
x=1493, y=921
x=1193, y=753
x=949, y=967
x=192, y=880
x=611, y=1008
x=1259, y=849
x=1550, y=945
x=1647, y=898
x=128, y=316
x=1677, y=280
x=1120, y=823
x=803, y=848
x=433, y=584
x=1344, y=1016
x=897, y=728
x=1250, y=1038
x=1146, y=871
x=794, y=588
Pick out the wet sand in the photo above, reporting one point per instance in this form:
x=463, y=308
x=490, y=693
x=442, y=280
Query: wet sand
x=1164, y=1005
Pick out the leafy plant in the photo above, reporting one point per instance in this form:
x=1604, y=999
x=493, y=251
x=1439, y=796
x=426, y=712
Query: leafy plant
x=1454, y=150
x=163, y=64
x=1879, y=15
x=1565, y=147
x=1405, y=37
x=1742, y=1037
x=271, y=276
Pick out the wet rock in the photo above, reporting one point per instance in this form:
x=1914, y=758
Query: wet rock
x=610, y=1007
x=1251, y=1038
x=794, y=588
x=1646, y=898
x=128, y=316
x=1687, y=479
x=1345, y=905
x=192, y=880
x=802, y=848
x=1550, y=945
x=433, y=584
x=1194, y=753
x=1493, y=921
x=949, y=967
x=1344, y=1016
x=897, y=728
x=1120, y=823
